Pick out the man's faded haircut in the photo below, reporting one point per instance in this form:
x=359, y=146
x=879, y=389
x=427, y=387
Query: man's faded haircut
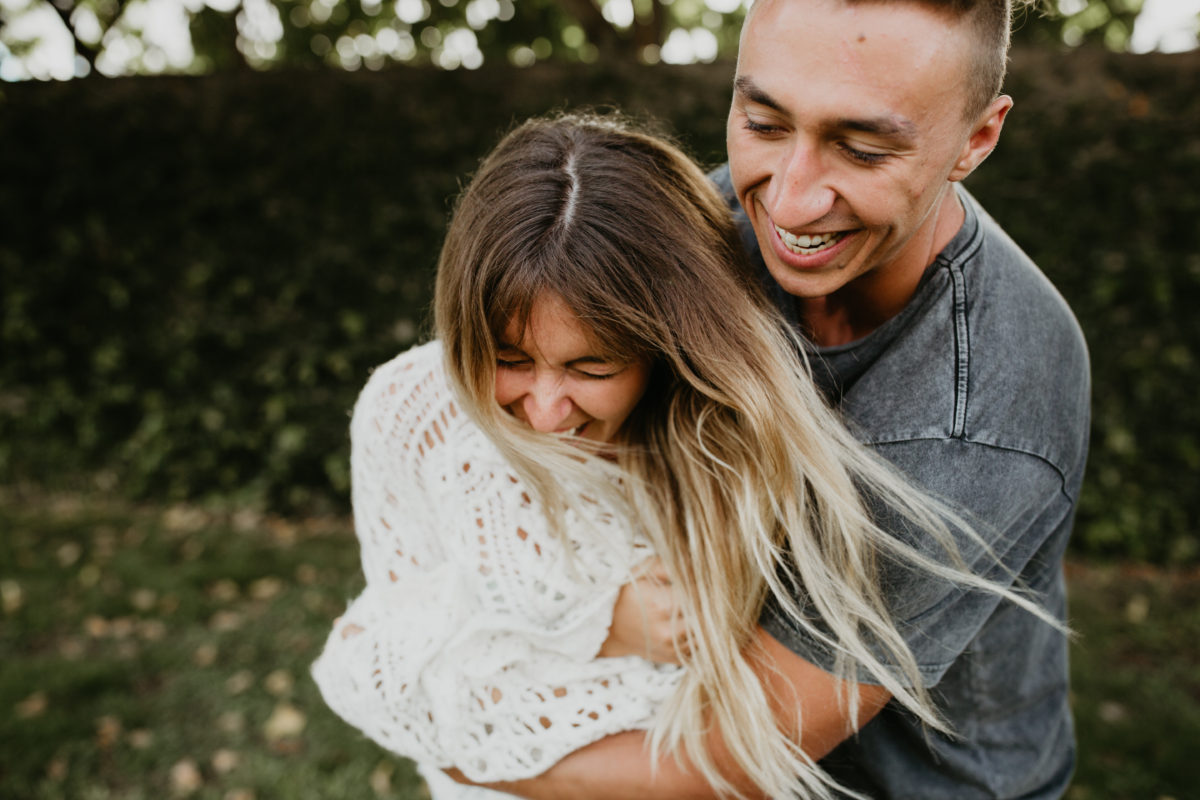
x=992, y=23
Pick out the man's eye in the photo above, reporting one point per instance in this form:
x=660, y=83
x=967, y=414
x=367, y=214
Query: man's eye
x=863, y=157
x=759, y=127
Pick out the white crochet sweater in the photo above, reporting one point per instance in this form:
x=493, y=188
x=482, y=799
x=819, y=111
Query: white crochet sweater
x=474, y=643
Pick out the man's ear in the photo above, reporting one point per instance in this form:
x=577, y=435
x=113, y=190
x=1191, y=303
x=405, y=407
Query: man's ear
x=983, y=138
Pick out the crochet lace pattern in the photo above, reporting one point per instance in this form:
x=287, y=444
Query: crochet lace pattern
x=474, y=642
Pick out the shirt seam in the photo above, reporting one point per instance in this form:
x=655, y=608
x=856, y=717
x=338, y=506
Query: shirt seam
x=962, y=329
x=1061, y=472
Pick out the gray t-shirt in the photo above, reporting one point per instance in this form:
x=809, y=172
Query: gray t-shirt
x=979, y=391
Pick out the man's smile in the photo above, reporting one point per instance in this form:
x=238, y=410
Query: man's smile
x=809, y=244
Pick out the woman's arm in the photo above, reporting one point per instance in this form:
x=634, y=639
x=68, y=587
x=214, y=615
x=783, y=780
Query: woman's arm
x=619, y=767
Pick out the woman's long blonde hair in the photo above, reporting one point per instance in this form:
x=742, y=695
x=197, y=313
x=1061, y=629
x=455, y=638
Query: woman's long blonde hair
x=747, y=484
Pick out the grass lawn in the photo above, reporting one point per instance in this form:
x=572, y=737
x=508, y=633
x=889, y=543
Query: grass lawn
x=152, y=652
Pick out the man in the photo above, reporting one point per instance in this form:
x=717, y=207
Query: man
x=852, y=123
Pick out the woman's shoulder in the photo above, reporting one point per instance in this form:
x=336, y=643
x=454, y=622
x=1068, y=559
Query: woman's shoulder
x=406, y=397
x=414, y=377
x=415, y=366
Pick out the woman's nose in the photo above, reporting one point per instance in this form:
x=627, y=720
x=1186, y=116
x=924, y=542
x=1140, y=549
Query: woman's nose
x=546, y=406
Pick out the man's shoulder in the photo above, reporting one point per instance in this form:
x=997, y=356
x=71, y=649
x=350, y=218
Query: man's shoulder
x=1029, y=378
x=988, y=355
x=1010, y=299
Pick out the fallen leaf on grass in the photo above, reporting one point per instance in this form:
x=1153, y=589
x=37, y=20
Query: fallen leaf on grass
x=32, y=706
x=285, y=722
x=225, y=621
x=225, y=761
x=56, y=770
x=239, y=794
x=68, y=554
x=152, y=630
x=282, y=530
x=246, y=520
x=141, y=739
x=279, y=683
x=266, y=588
x=192, y=549
x=143, y=599
x=231, y=722
x=71, y=648
x=1137, y=609
x=381, y=779
x=121, y=627
x=11, y=596
x=184, y=519
x=186, y=777
x=89, y=575
x=108, y=730
x=239, y=681
x=1112, y=712
x=205, y=655
x=169, y=604
x=224, y=591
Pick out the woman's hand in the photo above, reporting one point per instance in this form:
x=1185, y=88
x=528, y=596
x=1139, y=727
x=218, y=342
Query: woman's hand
x=647, y=619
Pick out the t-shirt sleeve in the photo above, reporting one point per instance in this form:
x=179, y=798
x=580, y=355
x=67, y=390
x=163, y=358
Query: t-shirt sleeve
x=1017, y=503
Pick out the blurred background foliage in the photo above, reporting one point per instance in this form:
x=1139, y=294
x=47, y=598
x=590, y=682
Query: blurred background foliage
x=199, y=273
x=121, y=37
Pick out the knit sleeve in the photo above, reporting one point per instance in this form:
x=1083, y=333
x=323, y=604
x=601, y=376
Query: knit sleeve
x=474, y=642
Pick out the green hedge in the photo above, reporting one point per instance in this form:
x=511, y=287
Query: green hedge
x=198, y=273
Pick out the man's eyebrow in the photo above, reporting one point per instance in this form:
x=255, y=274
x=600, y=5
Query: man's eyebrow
x=891, y=127
x=750, y=90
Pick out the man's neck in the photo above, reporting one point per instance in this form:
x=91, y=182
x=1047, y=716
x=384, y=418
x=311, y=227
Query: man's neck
x=862, y=305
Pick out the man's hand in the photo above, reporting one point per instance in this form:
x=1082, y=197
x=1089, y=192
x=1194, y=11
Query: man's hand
x=647, y=620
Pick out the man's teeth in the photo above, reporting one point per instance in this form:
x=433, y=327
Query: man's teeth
x=807, y=245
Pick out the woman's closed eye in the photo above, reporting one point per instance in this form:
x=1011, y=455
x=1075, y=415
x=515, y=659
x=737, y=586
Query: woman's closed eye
x=598, y=373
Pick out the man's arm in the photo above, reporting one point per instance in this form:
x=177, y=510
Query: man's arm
x=619, y=767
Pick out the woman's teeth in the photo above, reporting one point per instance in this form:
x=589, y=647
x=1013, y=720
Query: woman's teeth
x=806, y=244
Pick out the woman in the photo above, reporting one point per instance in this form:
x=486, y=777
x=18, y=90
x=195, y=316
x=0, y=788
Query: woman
x=607, y=382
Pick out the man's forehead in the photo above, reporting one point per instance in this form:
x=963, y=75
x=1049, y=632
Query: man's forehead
x=882, y=72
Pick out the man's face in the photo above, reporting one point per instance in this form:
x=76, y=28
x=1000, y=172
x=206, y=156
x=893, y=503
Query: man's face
x=847, y=123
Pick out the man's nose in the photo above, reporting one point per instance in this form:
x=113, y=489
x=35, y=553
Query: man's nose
x=802, y=194
x=546, y=404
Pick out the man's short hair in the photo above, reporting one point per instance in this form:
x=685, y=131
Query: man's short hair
x=991, y=21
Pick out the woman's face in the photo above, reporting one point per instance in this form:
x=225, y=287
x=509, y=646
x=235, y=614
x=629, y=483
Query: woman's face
x=551, y=376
